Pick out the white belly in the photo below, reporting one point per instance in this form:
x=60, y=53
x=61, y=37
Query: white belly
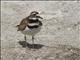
x=28, y=31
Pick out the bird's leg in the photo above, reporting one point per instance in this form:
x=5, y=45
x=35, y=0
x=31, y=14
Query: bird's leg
x=25, y=38
x=33, y=41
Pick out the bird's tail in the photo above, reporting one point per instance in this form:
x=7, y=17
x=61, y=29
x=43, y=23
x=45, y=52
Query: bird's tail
x=18, y=27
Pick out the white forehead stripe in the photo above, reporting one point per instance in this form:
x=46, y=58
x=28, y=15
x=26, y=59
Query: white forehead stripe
x=33, y=13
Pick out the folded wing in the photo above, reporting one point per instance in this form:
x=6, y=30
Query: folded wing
x=22, y=25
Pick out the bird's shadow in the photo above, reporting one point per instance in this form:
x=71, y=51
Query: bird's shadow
x=26, y=44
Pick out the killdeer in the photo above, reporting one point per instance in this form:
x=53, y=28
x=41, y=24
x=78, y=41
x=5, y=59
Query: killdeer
x=30, y=25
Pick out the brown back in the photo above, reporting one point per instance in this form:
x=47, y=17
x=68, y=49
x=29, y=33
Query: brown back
x=22, y=24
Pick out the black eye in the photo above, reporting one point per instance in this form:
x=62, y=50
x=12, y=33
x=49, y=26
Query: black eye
x=37, y=13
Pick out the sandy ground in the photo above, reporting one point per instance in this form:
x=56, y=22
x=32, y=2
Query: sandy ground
x=58, y=39
x=40, y=0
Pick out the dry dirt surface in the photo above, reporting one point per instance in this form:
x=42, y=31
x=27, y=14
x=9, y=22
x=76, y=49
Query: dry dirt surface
x=59, y=38
x=40, y=0
x=60, y=52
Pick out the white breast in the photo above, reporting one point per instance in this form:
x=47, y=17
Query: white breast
x=33, y=24
x=33, y=18
x=28, y=31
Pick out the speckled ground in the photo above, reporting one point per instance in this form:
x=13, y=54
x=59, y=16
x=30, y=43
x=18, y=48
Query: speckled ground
x=40, y=0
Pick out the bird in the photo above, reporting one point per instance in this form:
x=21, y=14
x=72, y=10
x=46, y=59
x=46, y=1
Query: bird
x=30, y=25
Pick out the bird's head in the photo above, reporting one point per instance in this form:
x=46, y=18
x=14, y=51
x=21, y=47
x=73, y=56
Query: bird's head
x=34, y=13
